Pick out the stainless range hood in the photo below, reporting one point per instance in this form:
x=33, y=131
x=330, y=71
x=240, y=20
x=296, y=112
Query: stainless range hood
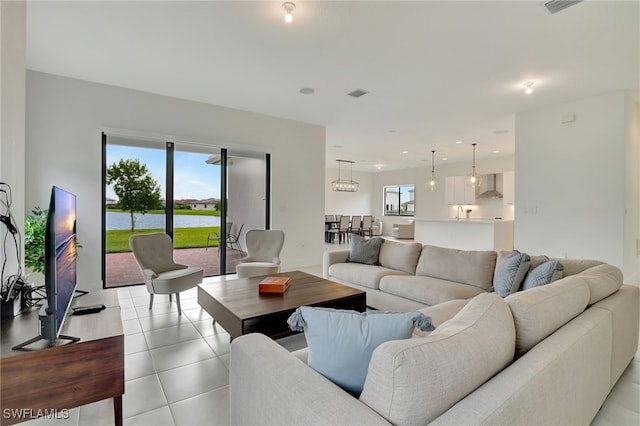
x=488, y=187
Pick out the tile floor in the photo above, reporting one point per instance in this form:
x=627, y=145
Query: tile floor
x=176, y=369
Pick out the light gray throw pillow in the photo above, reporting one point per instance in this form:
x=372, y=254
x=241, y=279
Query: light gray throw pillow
x=511, y=268
x=543, y=274
x=364, y=251
x=341, y=342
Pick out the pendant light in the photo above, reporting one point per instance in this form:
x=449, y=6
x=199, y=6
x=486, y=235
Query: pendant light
x=432, y=184
x=344, y=185
x=473, y=179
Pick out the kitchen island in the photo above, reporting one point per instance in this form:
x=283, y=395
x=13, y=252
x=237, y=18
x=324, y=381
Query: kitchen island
x=465, y=234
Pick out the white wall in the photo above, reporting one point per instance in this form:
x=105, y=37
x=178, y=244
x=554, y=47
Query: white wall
x=12, y=122
x=246, y=194
x=631, y=259
x=572, y=182
x=348, y=203
x=65, y=118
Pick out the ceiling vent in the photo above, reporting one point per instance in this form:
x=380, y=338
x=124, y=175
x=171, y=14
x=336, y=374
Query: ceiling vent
x=555, y=6
x=357, y=93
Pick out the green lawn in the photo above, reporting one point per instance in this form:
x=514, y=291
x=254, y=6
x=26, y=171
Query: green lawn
x=118, y=240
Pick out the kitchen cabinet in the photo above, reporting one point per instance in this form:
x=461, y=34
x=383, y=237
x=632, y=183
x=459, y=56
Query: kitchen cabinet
x=508, y=187
x=457, y=192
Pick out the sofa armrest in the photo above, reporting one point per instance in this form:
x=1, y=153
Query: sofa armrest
x=270, y=386
x=331, y=257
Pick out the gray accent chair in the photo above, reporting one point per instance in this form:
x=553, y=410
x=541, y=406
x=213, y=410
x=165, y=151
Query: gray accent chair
x=154, y=254
x=263, y=253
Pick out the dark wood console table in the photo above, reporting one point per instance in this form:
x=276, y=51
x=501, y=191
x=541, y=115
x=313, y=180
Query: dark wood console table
x=39, y=380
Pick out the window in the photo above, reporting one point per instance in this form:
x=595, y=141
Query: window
x=398, y=200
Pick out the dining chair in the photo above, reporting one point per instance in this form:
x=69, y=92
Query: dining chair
x=367, y=222
x=356, y=225
x=342, y=231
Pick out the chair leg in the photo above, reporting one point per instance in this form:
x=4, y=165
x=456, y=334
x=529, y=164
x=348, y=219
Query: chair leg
x=150, y=300
x=178, y=302
x=171, y=298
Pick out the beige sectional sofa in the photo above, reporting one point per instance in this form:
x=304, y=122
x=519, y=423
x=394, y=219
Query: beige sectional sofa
x=544, y=356
x=411, y=276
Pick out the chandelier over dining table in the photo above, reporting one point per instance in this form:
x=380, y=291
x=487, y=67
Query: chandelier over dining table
x=344, y=185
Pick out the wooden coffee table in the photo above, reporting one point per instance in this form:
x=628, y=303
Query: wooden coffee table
x=241, y=309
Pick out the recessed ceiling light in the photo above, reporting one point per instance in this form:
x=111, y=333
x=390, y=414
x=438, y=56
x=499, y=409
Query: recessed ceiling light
x=405, y=152
x=444, y=158
x=379, y=167
x=458, y=142
x=528, y=87
x=495, y=151
x=288, y=7
x=307, y=90
x=337, y=146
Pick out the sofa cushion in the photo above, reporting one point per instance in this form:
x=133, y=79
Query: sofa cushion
x=341, y=342
x=440, y=313
x=603, y=280
x=365, y=251
x=359, y=274
x=540, y=311
x=543, y=274
x=400, y=256
x=511, y=268
x=413, y=381
x=446, y=263
x=575, y=266
x=427, y=290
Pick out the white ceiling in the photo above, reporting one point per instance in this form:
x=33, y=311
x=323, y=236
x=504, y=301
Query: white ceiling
x=436, y=71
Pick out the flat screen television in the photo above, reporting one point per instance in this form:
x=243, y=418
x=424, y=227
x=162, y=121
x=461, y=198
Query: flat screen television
x=60, y=266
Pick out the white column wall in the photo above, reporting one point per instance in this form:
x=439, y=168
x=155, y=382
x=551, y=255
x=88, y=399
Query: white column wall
x=574, y=196
x=12, y=123
x=66, y=116
x=631, y=261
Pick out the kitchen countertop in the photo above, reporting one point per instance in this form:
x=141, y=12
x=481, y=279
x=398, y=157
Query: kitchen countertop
x=463, y=220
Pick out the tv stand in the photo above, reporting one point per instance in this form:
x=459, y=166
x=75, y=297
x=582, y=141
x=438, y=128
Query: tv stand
x=53, y=379
x=51, y=342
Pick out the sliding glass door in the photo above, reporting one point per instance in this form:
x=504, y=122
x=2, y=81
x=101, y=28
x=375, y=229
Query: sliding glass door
x=203, y=197
x=130, y=207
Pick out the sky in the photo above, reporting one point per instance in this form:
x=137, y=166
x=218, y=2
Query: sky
x=193, y=178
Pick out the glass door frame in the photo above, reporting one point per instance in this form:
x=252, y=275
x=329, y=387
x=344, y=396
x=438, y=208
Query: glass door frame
x=169, y=200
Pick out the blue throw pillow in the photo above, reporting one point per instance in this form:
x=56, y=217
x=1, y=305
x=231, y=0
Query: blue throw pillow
x=365, y=251
x=341, y=342
x=511, y=268
x=543, y=274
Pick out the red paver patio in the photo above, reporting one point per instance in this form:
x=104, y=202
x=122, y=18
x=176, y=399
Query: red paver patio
x=122, y=269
